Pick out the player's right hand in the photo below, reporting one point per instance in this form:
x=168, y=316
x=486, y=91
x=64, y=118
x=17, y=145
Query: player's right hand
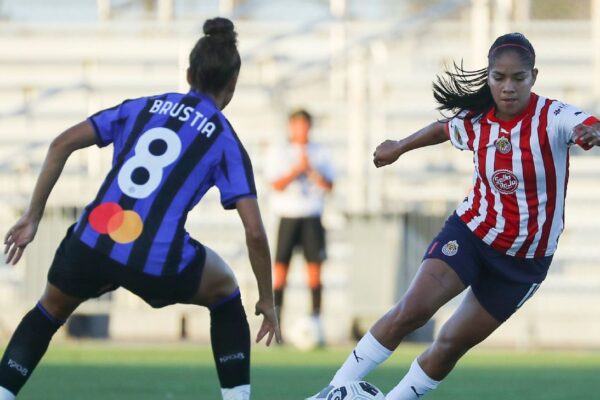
x=386, y=153
x=18, y=237
x=270, y=325
x=303, y=164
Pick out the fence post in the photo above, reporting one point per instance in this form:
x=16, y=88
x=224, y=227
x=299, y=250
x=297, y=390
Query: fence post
x=522, y=10
x=502, y=17
x=104, y=9
x=165, y=10
x=480, y=31
x=357, y=129
x=596, y=46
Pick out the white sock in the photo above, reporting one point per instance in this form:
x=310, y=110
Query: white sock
x=318, y=324
x=241, y=392
x=6, y=395
x=414, y=385
x=367, y=355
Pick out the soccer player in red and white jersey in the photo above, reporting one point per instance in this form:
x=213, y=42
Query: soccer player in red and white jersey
x=499, y=242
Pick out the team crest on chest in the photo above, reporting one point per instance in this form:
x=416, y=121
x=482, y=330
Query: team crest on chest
x=450, y=248
x=503, y=145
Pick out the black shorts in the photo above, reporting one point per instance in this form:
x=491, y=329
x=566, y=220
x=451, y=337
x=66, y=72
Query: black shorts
x=307, y=232
x=82, y=272
x=501, y=283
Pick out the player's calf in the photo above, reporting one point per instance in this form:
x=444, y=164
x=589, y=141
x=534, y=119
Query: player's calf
x=230, y=339
x=25, y=349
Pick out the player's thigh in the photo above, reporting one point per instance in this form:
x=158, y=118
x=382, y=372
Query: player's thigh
x=288, y=237
x=59, y=304
x=217, y=280
x=470, y=324
x=434, y=285
x=313, y=240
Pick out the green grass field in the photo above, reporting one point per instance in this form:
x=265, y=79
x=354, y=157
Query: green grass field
x=98, y=371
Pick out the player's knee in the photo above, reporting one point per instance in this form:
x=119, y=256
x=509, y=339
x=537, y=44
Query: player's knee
x=56, y=304
x=410, y=315
x=280, y=276
x=314, y=275
x=227, y=285
x=449, y=347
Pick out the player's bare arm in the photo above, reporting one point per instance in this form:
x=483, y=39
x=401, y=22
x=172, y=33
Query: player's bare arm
x=390, y=150
x=301, y=167
x=22, y=233
x=260, y=259
x=588, y=134
x=320, y=180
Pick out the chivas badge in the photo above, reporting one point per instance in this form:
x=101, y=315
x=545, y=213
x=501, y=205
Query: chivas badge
x=503, y=145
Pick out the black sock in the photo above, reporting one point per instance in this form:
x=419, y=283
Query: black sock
x=27, y=347
x=278, y=300
x=230, y=339
x=316, y=299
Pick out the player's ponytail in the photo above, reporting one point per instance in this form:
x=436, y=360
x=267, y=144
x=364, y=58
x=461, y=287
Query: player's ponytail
x=215, y=59
x=462, y=90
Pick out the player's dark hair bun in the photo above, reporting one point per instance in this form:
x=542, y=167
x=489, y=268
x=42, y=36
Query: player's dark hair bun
x=220, y=29
x=215, y=59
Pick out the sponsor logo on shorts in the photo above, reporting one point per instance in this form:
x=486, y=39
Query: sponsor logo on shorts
x=450, y=248
x=505, y=181
x=15, y=365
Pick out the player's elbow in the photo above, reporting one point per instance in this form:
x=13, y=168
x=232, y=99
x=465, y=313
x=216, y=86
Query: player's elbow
x=59, y=148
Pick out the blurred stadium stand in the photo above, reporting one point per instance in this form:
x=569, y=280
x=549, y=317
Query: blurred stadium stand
x=365, y=70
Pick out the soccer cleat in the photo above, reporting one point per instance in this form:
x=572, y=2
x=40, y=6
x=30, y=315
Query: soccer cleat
x=5, y=394
x=322, y=394
x=237, y=393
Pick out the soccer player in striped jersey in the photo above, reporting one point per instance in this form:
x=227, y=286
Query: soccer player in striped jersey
x=168, y=151
x=499, y=242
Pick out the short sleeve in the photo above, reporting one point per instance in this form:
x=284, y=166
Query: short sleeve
x=234, y=176
x=106, y=124
x=457, y=132
x=567, y=118
x=324, y=164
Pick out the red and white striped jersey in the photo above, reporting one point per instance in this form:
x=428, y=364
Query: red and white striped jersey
x=521, y=172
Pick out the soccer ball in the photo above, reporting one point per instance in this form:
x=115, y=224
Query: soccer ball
x=356, y=390
x=304, y=334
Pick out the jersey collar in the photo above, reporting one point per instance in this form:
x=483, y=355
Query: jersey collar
x=203, y=97
x=511, y=123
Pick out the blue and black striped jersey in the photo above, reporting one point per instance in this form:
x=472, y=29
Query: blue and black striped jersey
x=168, y=151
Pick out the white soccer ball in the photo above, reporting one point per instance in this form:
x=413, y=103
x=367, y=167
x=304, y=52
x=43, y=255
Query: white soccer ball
x=304, y=334
x=356, y=390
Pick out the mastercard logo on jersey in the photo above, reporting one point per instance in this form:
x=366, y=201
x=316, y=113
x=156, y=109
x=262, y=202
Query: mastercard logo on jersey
x=123, y=226
x=505, y=181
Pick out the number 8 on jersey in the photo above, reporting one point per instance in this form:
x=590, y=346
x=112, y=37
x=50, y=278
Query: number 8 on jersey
x=142, y=174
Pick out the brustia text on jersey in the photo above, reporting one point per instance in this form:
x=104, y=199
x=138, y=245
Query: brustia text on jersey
x=169, y=150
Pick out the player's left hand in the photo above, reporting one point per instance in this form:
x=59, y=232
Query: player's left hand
x=18, y=237
x=270, y=325
x=587, y=135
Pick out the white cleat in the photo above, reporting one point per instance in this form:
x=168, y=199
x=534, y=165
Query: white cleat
x=322, y=394
x=236, y=393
